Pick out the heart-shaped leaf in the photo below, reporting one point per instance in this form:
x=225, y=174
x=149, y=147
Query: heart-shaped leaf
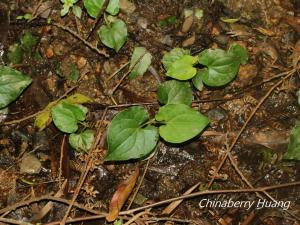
x=127, y=138
x=65, y=116
x=93, y=7
x=293, y=152
x=222, y=67
x=182, y=69
x=113, y=7
x=181, y=122
x=82, y=141
x=12, y=84
x=197, y=81
x=170, y=57
x=141, y=67
x=175, y=92
x=239, y=53
x=113, y=35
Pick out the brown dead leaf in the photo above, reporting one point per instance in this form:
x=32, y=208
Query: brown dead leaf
x=294, y=22
x=264, y=31
x=120, y=196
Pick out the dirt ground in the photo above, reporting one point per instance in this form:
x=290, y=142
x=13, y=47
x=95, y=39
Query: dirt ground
x=40, y=172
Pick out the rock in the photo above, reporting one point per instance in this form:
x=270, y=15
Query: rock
x=30, y=164
x=189, y=41
x=222, y=39
x=167, y=40
x=187, y=24
x=142, y=22
x=127, y=6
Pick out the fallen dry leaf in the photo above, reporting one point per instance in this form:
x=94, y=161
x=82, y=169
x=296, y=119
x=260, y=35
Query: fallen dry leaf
x=120, y=196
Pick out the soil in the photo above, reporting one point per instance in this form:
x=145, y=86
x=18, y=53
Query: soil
x=30, y=160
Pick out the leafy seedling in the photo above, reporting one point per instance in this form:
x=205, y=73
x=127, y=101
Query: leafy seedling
x=83, y=141
x=221, y=66
x=113, y=34
x=67, y=5
x=138, y=68
x=181, y=123
x=128, y=136
x=66, y=116
x=12, y=84
x=197, y=81
x=93, y=7
x=175, y=92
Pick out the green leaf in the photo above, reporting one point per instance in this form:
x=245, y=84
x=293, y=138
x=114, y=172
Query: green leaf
x=239, y=53
x=82, y=141
x=28, y=41
x=15, y=54
x=113, y=7
x=77, y=99
x=64, y=11
x=293, y=152
x=175, y=92
x=65, y=116
x=222, y=67
x=182, y=69
x=12, y=84
x=42, y=120
x=93, y=7
x=74, y=73
x=197, y=81
x=182, y=123
x=141, y=67
x=127, y=137
x=170, y=57
x=77, y=11
x=114, y=34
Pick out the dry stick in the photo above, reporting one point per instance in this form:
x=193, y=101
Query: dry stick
x=100, y=52
x=12, y=221
x=173, y=205
x=235, y=166
x=139, y=185
x=87, y=167
x=135, y=217
x=263, y=99
x=39, y=112
x=51, y=198
x=104, y=5
x=61, y=160
x=196, y=194
x=117, y=71
x=125, y=75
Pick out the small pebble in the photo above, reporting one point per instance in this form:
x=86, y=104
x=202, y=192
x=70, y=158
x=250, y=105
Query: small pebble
x=187, y=24
x=30, y=164
x=189, y=41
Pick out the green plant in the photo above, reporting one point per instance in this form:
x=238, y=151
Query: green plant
x=293, y=152
x=66, y=114
x=132, y=134
x=12, y=84
x=69, y=4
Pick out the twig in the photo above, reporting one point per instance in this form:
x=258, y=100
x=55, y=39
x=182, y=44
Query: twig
x=97, y=19
x=263, y=99
x=48, y=197
x=39, y=112
x=139, y=185
x=12, y=221
x=117, y=71
x=135, y=217
x=61, y=160
x=86, y=170
x=210, y=192
x=125, y=75
x=196, y=194
x=100, y=52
